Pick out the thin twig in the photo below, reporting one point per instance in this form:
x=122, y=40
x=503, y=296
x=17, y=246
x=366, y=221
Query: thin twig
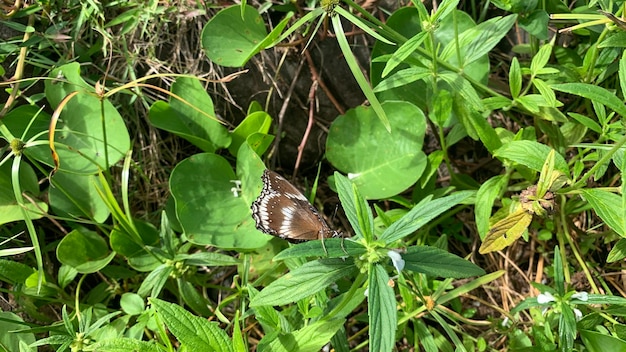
x=309, y=126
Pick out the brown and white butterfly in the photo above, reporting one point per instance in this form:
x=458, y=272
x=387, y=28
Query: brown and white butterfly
x=282, y=210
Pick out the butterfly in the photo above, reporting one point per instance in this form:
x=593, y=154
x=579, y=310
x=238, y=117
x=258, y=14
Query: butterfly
x=282, y=210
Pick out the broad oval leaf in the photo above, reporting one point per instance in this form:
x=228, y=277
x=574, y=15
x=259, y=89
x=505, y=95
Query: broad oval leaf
x=85, y=251
x=80, y=131
x=233, y=36
x=211, y=206
x=380, y=163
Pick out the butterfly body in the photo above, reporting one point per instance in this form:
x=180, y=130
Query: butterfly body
x=282, y=210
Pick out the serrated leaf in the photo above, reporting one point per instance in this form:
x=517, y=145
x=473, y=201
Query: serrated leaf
x=125, y=344
x=305, y=281
x=196, y=333
x=310, y=338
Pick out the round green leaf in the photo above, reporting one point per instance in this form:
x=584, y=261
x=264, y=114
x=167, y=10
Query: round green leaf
x=233, y=36
x=80, y=131
x=211, y=205
x=380, y=163
x=85, y=251
x=75, y=196
x=132, y=303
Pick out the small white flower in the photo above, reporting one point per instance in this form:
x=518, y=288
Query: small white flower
x=583, y=296
x=397, y=260
x=367, y=291
x=545, y=297
x=578, y=314
x=237, y=188
x=505, y=322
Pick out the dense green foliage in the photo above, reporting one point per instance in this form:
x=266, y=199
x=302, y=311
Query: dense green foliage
x=521, y=256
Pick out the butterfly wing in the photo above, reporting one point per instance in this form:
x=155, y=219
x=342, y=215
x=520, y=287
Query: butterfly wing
x=282, y=210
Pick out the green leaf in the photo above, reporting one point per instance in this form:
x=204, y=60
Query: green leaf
x=208, y=259
x=125, y=344
x=567, y=328
x=536, y=23
x=506, y=231
x=594, y=93
x=609, y=208
x=10, y=210
x=332, y=247
x=596, y=341
x=530, y=154
x=210, y=208
x=622, y=72
x=394, y=160
x=84, y=250
x=13, y=272
x=230, y=39
x=195, y=333
x=79, y=136
x=618, y=252
x=256, y=122
x=404, y=51
x=488, y=192
x=402, y=77
x=479, y=40
x=357, y=210
x=436, y=262
x=75, y=196
x=546, y=92
x=421, y=214
x=477, y=126
x=357, y=73
x=135, y=249
x=191, y=118
x=303, y=282
x=310, y=338
x=515, y=78
x=192, y=298
x=155, y=281
x=532, y=102
x=463, y=88
x=383, y=316
x=540, y=60
x=13, y=332
x=586, y=121
x=132, y=303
